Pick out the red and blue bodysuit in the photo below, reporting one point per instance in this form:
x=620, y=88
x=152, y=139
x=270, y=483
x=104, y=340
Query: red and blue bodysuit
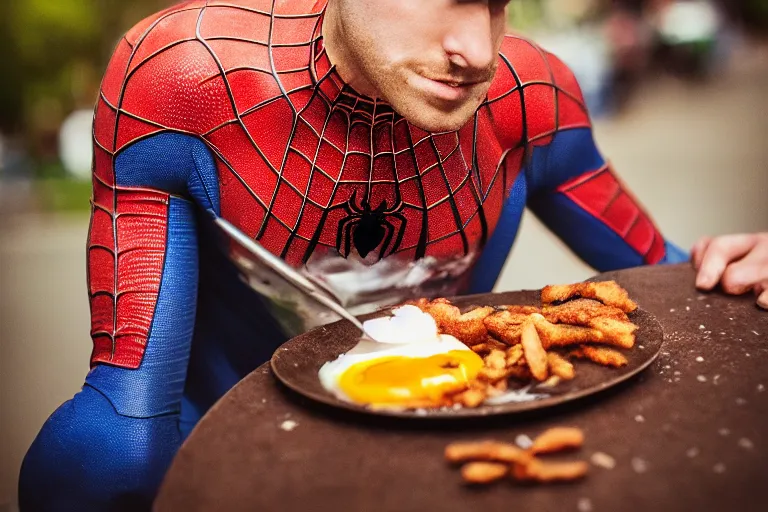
x=232, y=109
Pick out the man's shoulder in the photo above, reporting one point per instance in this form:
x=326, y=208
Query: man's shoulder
x=216, y=37
x=177, y=17
x=533, y=65
x=154, y=77
x=178, y=67
x=158, y=45
x=245, y=20
x=544, y=85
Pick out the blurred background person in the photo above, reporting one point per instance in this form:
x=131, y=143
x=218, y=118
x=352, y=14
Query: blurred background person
x=676, y=88
x=689, y=34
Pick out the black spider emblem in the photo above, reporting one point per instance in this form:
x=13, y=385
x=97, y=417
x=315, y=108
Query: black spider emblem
x=367, y=228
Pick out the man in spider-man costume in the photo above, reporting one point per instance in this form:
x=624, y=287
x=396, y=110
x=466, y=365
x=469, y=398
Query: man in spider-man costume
x=395, y=139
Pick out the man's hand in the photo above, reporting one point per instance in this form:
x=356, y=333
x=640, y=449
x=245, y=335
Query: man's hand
x=738, y=262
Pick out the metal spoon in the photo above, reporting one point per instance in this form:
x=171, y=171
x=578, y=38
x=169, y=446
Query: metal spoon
x=305, y=284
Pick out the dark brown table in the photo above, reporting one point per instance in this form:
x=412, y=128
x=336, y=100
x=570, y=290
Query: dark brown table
x=689, y=433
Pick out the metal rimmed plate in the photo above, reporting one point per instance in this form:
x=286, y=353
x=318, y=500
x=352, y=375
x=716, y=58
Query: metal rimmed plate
x=297, y=362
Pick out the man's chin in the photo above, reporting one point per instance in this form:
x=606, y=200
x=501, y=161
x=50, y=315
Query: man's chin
x=437, y=120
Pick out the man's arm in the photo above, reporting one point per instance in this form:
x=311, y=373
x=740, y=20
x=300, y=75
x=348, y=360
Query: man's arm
x=578, y=196
x=576, y=193
x=565, y=181
x=108, y=447
x=112, y=443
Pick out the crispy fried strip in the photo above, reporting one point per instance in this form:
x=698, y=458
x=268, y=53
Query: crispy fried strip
x=488, y=345
x=560, y=366
x=558, y=335
x=477, y=315
x=558, y=439
x=521, y=310
x=496, y=344
x=514, y=354
x=505, y=326
x=507, y=317
x=561, y=335
x=492, y=375
x=534, y=352
x=499, y=387
x=607, y=292
x=497, y=360
x=601, y=355
x=544, y=472
x=471, y=398
x=486, y=451
x=484, y=472
x=581, y=312
x=442, y=311
x=616, y=332
x=469, y=328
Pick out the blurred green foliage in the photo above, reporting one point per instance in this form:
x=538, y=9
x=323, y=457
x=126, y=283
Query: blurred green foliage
x=758, y=10
x=54, y=52
x=63, y=195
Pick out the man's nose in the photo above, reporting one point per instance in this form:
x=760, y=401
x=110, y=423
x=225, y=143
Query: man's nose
x=469, y=42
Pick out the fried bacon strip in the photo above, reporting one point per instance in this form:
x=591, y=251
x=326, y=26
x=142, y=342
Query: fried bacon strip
x=514, y=355
x=560, y=366
x=581, y=312
x=603, y=330
x=601, y=355
x=488, y=345
x=488, y=461
x=468, y=327
x=560, y=335
x=484, y=472
x=607, y=292
x=489, y=451
x=546, y=472
x=558, y=439
x=496, y=360
x=493, y=375
x=535, y=355
x=499, y=387
x=471, y=398
x=506, y=326
x=522, y=310
x=615, y=332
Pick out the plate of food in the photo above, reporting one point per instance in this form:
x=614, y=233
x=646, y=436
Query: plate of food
x=476, y=355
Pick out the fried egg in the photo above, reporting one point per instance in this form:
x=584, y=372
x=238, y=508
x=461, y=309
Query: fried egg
x=408, y=365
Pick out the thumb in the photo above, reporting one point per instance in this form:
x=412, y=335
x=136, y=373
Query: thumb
x=762, y=299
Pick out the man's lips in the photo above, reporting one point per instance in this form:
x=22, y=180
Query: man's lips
x=456, y=83
x=445, y=89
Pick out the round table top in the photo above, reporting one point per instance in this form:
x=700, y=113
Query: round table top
x=689, y=433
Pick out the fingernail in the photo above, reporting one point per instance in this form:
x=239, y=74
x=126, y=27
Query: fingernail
x=704, y=281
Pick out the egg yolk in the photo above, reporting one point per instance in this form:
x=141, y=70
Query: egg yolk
x=410, y=381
